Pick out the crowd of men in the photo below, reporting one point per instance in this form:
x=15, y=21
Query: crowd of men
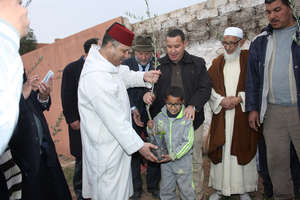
x=252, y=95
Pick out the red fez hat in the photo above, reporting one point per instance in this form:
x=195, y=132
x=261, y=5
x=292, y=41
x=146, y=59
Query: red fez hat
x=121, y=34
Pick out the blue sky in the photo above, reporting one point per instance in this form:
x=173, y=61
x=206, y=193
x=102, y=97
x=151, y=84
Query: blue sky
x=52, y=19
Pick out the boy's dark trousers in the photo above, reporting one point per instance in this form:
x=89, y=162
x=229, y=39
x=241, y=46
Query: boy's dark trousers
x=264, y=172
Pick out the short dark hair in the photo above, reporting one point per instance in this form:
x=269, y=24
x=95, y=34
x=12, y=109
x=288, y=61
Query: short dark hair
x=175, y=33
x=285, y=2
x=107, y=38
x=175, y=92
x=87, y=44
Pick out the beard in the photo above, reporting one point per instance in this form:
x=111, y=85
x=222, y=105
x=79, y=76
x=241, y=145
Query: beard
x=233, y=56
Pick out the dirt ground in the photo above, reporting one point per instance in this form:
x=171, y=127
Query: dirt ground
x=68, y=166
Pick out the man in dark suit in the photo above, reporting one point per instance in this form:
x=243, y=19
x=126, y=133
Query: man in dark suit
x=141, y=61
x=69, y=100
x=32, y=146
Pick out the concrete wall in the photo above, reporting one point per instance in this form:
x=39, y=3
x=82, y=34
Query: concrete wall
x=206, y=21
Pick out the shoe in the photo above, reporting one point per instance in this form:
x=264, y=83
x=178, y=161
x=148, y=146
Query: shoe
x=155, y=194
x=215, y=196
x=245, y=196
x=136, y=196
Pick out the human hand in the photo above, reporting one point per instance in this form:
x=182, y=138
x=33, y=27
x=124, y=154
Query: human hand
x=45, y=89
x=166, y=158
x=254, y=120
x=148, y=99
x=31, y=84
x=237, y=100
x=145, y=151
x=152, y=76
x=137, y=118
x=75, y=125
x=228, y=102
x=189, y=113
x=150, y=124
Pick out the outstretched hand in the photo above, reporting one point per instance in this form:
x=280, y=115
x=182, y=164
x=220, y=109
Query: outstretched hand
x=145, y=151
x=152, y=76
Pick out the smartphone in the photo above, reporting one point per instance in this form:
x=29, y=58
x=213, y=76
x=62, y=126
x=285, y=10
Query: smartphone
x=48, y=76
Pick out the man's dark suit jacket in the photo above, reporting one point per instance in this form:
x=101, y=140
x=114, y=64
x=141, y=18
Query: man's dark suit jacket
x=136, y=95
x=69, y=99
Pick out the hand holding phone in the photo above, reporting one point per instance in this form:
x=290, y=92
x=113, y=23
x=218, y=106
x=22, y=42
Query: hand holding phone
x=48, y=76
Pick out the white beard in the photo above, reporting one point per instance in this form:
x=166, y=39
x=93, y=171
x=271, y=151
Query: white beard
x=235, y=55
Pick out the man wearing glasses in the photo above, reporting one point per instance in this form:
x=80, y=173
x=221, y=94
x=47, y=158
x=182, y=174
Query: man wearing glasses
x=233, y=143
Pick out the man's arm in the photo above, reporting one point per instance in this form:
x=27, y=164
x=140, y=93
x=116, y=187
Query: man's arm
x=104, y=99
x=69, y=97
x=202, y=93
x=252, y=80
x=252, y=88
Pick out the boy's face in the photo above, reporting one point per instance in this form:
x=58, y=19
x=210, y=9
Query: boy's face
x=173, y=104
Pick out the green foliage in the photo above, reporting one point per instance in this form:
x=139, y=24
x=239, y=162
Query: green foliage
x=28, y=43
x=56, y=128
x=35, y=65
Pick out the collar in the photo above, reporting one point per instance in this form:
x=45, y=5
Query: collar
x=97, y=62
x=187, y=58
x=179, y=115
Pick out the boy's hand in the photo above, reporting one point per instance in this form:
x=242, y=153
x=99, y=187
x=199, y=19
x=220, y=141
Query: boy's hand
x=166, y=158
x=150, y=124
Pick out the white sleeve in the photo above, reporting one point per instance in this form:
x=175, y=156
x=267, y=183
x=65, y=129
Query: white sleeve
x=215, y=101
x=132, y=78
x=108, y=106
x=11, y=78
x=243, y=96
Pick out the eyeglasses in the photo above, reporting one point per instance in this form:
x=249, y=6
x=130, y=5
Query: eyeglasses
x=25, y=3
x=173, y=104
x=231, y=44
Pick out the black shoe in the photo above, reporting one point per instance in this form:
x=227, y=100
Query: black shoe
x=155, y=194
x=136, y=196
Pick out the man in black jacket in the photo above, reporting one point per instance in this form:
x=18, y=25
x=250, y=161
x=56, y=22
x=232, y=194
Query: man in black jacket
x=141, y=61
x=32, y=146
x=188, y=72
x=69, y=100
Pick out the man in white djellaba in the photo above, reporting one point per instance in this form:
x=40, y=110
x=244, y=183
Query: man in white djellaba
x=233, y=143
x=108, y=139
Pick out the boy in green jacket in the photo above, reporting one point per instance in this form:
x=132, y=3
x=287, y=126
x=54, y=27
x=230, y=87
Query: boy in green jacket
x=176, y=167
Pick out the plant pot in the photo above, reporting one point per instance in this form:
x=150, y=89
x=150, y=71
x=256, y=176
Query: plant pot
x=160, y=142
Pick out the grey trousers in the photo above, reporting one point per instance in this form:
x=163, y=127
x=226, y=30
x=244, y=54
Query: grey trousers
x=198, y=174
x=177, y=173
x=281, y=126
